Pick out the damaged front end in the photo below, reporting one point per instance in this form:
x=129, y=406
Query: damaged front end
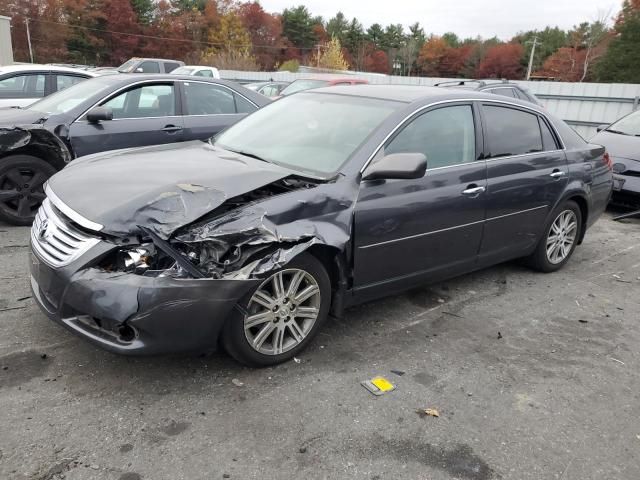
x=237, y=240
x=37, y=138
x=165, y=287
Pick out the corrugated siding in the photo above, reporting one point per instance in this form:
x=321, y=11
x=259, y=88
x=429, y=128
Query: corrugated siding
x=582, y=105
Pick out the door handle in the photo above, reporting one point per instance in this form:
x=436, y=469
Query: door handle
x=171, y=128
x=473, y=190
x=556, y=174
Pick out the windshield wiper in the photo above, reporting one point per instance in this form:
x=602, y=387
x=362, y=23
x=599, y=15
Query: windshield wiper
x=616, y=131
x=249, y=154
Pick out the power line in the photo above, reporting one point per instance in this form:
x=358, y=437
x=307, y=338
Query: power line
x=154, y=37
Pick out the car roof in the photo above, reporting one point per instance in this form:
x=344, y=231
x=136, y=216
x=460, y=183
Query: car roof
x=29, y=67
x=415, y=93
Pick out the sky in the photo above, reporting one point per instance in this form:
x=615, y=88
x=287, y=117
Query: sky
x=467, y=18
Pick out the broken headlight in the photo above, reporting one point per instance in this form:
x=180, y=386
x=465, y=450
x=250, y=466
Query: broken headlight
x=136, y=259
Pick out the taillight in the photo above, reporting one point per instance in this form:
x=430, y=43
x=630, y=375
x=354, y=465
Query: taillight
x=607, y=160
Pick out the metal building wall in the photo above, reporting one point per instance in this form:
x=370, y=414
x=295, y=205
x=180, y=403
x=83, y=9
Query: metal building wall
x=582, y=105
x=6, y=50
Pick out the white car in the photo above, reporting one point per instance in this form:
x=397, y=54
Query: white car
x=197, y=71
x=22, y=85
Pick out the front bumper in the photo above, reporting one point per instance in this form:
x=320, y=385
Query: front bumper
x=132, y=314
x=626, y=189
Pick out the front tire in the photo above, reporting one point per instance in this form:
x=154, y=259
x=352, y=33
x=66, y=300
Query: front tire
x=277, y=320
x=21, y=187
x=559, y=240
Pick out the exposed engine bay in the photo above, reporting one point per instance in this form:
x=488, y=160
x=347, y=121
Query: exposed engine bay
x=222, y=244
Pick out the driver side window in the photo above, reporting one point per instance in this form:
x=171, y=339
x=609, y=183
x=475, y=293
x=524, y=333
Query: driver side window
x=144, y=101
x=446, y=136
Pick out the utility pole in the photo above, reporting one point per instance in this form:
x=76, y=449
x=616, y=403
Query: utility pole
x=26, y=22
x=318, y=55
x=533, y=51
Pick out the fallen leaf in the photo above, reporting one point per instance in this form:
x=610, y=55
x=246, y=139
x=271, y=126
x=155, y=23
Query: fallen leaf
x=431, y=412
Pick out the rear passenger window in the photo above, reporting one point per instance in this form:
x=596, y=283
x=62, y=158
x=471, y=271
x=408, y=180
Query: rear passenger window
x=446, y=136
x=243, y=105
x=170, y=66
x=65, y=81
x=208, y=99
x=548, y=141
x=511, y=131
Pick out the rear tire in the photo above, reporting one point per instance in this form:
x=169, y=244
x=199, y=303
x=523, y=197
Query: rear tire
x=559, y=240
x=21, y=187
x=278, y=319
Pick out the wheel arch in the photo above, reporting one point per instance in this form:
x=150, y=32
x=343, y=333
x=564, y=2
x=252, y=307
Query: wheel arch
x=39, y=152
x=333, y=260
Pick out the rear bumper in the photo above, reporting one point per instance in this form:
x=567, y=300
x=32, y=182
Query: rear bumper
x=132, y=314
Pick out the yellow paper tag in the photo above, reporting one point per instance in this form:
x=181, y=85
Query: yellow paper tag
x=383, y=384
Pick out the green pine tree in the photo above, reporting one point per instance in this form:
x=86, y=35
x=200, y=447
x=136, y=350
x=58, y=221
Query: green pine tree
x=621, y=63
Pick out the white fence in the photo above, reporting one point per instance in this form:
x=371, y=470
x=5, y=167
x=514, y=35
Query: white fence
x=584, y=106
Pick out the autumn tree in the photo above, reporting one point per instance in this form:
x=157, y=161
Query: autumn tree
x=332, y=57
x=502, y=61
x=376, y=61
x=265, y=32
x=431, y=54
x=120, y=17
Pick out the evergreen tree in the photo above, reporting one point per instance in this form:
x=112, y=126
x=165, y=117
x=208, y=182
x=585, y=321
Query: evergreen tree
x=621, y=62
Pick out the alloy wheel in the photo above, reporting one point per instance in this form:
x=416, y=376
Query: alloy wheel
x=562, y=236
x=282, y=311
x=21, y=191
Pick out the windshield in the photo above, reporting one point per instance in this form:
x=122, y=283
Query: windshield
x=183, y=71
x=69, y=98
x=629, y=125
x=312, y=133
x=299, y=85
x=127, y=67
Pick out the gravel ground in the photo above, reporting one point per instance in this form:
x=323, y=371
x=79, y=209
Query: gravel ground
x=534, y=376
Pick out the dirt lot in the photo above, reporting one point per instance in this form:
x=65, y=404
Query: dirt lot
x=535, y=377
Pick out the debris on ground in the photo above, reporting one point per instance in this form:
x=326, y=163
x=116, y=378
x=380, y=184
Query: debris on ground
x=428, y=412
x=616, y=360
x=398, y=372
x=237, y=382
x=297, y=360
x=499, y=335
x=378, y=385
x=581, y=320
x=303, y=450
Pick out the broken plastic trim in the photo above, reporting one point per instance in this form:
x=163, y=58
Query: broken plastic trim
x=169, y=250
x=19, y=136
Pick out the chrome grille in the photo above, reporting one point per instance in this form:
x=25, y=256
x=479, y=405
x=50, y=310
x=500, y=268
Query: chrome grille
x=55, y=239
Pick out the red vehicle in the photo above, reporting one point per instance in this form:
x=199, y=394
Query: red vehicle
x=309, y=83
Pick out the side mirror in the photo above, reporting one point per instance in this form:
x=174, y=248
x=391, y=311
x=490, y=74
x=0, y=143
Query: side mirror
x=139, y=70
x=98, y=114
x=599, y=128
x=397, y=166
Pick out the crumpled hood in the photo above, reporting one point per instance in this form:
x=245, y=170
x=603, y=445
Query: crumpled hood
x=619, y=146
x=161, y=188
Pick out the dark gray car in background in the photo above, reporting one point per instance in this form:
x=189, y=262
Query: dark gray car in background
x=107, y=113
x=317, y=202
